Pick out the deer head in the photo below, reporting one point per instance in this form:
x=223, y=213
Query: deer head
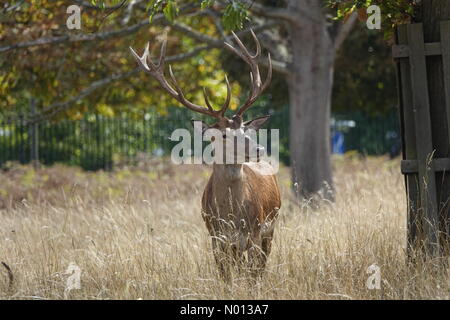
x=231, y=128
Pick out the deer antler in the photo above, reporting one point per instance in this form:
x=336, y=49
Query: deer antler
x=257, y=87
x=157, y=71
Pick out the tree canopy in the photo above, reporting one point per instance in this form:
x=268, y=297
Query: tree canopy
x=70, y=72
x=67, y=63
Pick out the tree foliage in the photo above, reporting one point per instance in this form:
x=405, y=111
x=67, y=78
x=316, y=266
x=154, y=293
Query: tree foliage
x=55, y=72
x=365, y=74
x=393, y=12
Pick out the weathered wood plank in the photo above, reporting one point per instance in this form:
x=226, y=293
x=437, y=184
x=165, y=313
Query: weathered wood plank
x=433, y=49
x=408, y=138
x=403, y=51
x=422, y=120
x=438, y=165
x=400, y=51
x=444, y=186
x=445, y=44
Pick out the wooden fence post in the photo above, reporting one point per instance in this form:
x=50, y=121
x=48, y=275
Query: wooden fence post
x=427, y=219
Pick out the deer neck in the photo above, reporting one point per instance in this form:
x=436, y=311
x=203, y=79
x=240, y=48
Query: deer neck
x=229, y=179
x=228, y=173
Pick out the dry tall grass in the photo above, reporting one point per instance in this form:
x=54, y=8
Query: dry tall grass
x=139, y=234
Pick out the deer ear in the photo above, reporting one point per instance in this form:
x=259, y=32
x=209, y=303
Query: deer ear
x=199, y=126
x=257, y=123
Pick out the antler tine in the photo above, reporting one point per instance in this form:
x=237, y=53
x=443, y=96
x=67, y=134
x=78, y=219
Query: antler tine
x=252, y=83
x=147, y=59
x=256, y=87
x=177, y=87
x=147, y=65
x=244, y=48
x=269, y=74
x=228, y=99
x=258, y=45
x=226, y=104
x=235, y=51
x=162, y=55
x=142, y=61
x=257, y=91
x=208, y=104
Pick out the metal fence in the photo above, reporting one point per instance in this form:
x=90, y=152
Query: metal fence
x=94, y=142
x=97, y=142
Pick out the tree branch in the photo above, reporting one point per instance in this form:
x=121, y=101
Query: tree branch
x=279, y=66
x=274, y=13
x=7, y=8
x=217, y=21
x=58, y=107
x=344, y=30
x=194, y=34
x=88, y=5
x=129, y=11
x=88, y=37
x=78, y=37
x=284, y=13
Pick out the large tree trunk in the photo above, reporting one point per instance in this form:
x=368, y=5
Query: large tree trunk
x=310, y=102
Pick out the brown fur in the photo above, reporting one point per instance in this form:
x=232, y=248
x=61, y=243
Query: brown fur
x=240, y=207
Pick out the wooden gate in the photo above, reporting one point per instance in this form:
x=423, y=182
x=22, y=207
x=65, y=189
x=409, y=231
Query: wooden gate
x=425, y=128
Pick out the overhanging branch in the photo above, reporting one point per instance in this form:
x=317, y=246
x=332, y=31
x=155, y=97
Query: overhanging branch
x=194, y=34
x=274, y=13
x=285, y=14
x=88, y=5
x=99, y=36
x=78, y=37
x=58, y=107
x=13, y=7
x=344, y=30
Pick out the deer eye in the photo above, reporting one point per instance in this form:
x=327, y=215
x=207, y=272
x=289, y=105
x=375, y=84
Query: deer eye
x=224, y=136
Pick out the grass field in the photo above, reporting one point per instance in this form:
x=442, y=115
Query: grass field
x=137, y=233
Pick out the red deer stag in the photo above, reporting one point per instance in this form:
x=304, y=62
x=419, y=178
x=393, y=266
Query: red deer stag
x=240, y=204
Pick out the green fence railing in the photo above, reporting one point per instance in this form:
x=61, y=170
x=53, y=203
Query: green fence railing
x=96, y=142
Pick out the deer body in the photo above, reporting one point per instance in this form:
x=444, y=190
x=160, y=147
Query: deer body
x=240, y=205
x=241, y=200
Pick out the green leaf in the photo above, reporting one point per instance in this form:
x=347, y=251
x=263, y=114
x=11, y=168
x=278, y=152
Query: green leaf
x=206, y=4
x=171, y=11
x=234, y=16
x=152, y=6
